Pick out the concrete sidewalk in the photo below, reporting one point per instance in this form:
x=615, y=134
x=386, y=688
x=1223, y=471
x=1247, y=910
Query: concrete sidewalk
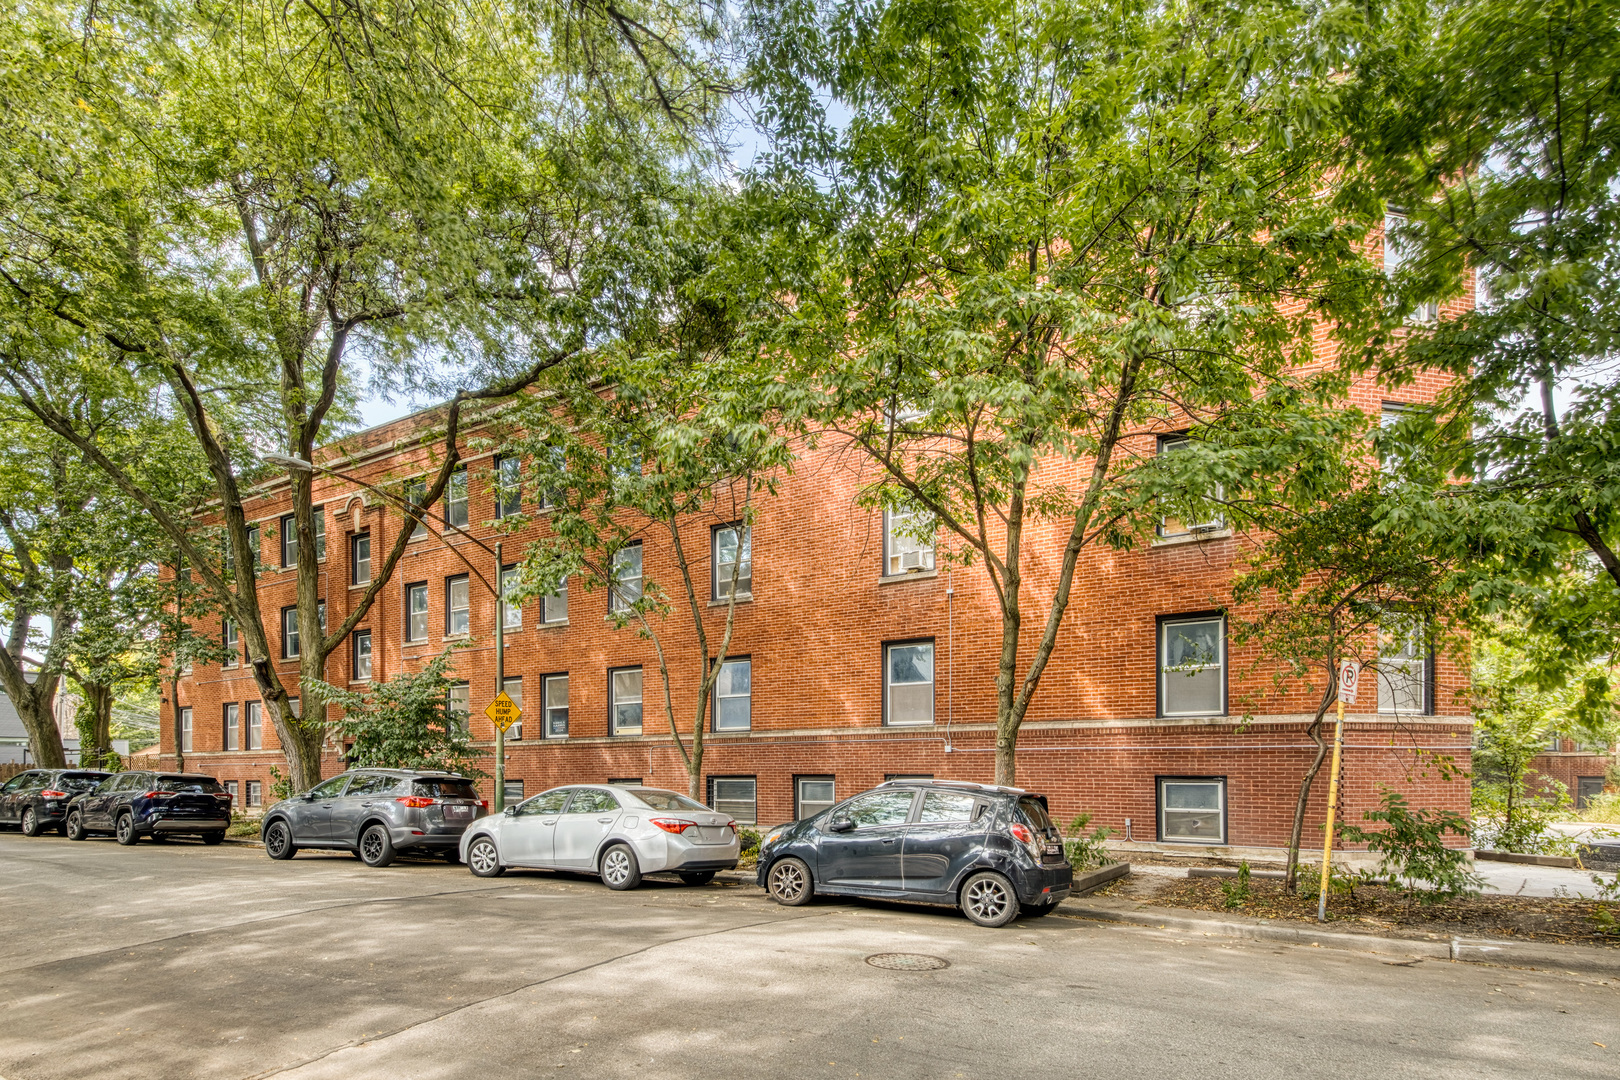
x=1518, y=879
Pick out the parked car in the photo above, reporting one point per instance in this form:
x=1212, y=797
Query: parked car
x=618, y=833
x=38, y=800
x=992, y=851
x=131, y=805
x=375, y=814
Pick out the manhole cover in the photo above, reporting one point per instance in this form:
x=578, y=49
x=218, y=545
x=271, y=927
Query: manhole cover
x=907, y=961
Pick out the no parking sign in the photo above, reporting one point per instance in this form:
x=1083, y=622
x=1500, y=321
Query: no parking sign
x=1349, y=677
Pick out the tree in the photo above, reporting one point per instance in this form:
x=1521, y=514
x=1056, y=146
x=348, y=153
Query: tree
x=1046, y=231
x=406, y=722
x=240, y=207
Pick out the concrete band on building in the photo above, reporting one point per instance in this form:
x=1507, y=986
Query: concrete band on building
x=859, y=656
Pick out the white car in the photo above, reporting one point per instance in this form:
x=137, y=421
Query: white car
x=618, y=833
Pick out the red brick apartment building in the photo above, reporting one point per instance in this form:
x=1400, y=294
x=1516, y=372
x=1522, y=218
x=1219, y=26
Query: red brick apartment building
x=855, y=658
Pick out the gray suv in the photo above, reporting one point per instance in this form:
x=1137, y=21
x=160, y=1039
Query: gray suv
x=375, y=814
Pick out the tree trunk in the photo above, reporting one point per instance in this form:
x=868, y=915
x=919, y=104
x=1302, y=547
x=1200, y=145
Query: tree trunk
x=1290, y=879
x=33, y=702
x=174, y=710
x=98, y=703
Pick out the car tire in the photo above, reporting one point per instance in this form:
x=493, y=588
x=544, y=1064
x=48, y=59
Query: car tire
x=278, y=841
x=484, y=858
x=215, y=837
x=30, y=823
x=789, y=882
x=73, y=827
x=376, y=847
x=124, y=830
x=989, y=900
x=697, y=877
x=619, y=869
x=1035, y=911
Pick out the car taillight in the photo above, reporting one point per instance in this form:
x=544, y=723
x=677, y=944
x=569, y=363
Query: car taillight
x=672, y=825
x=483, y=804
x=732, y=825
x=1022, y=834
x=52, y=793
x=223, y=795
x=157, y=795
x=416, y=801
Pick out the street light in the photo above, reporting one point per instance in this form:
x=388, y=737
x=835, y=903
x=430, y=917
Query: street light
x=300, y=465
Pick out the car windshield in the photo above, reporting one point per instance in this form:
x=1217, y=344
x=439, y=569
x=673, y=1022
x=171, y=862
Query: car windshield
x=444, y=789
x=78, y=781
x=205, y=784
x=1034, y=813
x=659, y=799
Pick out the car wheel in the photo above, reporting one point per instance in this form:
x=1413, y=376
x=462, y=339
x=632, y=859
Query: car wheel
x=278, y=842
x=620, y=869
x=73, y=828
x=215, y=837
x=376, y=847
x=1035, y=911
x=124, y=830
x=30, y=822
x=697, y=877
x=484, y=859
x=988, y=899
x=789, y=882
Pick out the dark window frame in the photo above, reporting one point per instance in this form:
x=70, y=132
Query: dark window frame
x=355, y=539
x=743, y=594
x=288, y=534
x=297, y=645
x=503, y=492
x=1158, y=806
x=426, y=610
x=451, y=502
x=1158, y=661
x=752, y=778
x=449, y=581
x=354, y=654
x=230, y=725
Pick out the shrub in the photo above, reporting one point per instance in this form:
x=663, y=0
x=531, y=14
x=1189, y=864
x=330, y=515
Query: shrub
x=749, y=839
x=1415, y=858
x=1086, y=852
x=1236, y=892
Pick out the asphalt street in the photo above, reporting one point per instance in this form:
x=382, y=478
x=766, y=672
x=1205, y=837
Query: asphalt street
x=183, y=961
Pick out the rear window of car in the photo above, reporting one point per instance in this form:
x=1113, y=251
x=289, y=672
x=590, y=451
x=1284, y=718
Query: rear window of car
x=190, y=783
x=78, y=781
x=1035, y=814
x=666, y=800
x=444, y=789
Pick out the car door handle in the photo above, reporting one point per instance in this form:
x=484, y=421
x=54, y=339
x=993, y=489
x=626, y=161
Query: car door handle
x=366, y=803
x=605, y=820
x=553, y=821
x=891, y=840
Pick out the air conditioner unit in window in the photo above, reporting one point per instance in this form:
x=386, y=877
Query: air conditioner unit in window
x=1208, y=526
x=911, y=560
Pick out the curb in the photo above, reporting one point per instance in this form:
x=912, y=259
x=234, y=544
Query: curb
x=1568, y=958
x=1092, y=880
x=1529, y=860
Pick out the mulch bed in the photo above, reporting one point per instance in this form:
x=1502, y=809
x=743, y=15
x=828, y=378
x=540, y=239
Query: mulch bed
x=1378, y=910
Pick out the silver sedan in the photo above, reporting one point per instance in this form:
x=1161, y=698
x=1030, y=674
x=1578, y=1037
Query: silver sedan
x=619, y=833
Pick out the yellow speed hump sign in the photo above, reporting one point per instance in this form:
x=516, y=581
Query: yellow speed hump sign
x=503, y=711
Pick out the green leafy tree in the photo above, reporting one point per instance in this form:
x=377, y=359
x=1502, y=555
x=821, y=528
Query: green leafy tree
x=407, y=722
x=1040, y=232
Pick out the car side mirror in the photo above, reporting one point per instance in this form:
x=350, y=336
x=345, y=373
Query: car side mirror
x=511, y=811
x=308, y=796
x=842, y=824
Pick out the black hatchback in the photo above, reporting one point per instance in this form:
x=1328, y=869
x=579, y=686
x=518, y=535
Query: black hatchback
x=38, y=800
x=992, y=851
x=131, y=805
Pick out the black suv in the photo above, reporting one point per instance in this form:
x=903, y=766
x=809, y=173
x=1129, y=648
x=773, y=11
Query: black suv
x=38, y=800
x=992, y=851
x=160, y=805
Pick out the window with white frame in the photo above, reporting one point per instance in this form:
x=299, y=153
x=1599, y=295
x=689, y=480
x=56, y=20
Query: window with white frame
x=455, y=498
x=812, y=795
x=255, y=793
x=233, y=726
x=289, y=633
x=232, y=638
x=317, y=524
x=416, y=611
x=513, y=686
x=908, y=544
x=508, y=487
x=1398, y=253
x=733, y=695
x=735, y=797
x=1192, y=810
x=1403, y=666
x=416, y=495
x=554, y=696
x=624, y=700
x=254, y=726
x=555, y=484
x=253, y=546
x=511, y=614
x=460, y=703
x=554, y=605
x=626, y=588
x=1192, y=666
x=908, y=683
x=233, y=788
x=457, y=605
x=289, y=540
x=362, y=655
x=1169, y=526
x=360, y=559
x=732, y=560
x=185, y=730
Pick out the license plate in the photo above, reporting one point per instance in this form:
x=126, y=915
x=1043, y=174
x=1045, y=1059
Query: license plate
x=457, y=811
x=1054, y=849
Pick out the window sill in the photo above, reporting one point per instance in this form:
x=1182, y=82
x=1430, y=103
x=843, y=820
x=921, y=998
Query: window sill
x=1190, y=538
x=915, y=575
x=742, y=598
x=920, y=724
x=558, y=625
x=362, y=585
x=625, y=735
x=464, y=636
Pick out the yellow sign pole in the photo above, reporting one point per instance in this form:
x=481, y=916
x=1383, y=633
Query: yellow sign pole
x=500, y=681
x=1333, y=804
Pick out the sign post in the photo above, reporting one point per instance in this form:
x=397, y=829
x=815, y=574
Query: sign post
x=500, y=681
x=1349, y=676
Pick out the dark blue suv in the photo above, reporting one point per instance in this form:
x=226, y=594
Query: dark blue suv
x=992, y=851
x=160, y=805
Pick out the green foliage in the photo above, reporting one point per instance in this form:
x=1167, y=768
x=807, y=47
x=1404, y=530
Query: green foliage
x=1414, y=855
x=749, y=839
x=1235, y=893
x=406, y=722
x=1086, y=852
x=281, y=785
